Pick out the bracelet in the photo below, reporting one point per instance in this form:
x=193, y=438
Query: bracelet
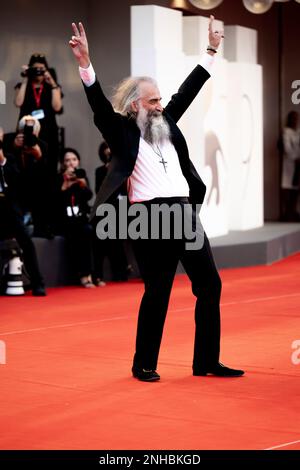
x=211, y=48
x=54, y=87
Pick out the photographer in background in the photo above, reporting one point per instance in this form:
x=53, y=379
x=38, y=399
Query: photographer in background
x=11, y=217
x=73, y=194
x=290, y=177
x=40, y=96
x=30, y=154
x=113, y=249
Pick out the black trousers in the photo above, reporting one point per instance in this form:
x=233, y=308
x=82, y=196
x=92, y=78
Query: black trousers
x=79, y=233
x=157, y=261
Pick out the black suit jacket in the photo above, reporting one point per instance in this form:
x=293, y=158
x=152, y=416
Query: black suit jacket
x=123, y=136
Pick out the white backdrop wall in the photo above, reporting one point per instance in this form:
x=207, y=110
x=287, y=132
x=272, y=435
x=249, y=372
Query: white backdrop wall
x=223, y=126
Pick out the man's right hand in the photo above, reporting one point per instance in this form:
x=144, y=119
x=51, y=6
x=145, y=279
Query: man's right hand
x=79, y=45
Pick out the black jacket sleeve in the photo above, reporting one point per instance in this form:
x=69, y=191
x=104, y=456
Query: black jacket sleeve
x=105, y=118
x=186, y=93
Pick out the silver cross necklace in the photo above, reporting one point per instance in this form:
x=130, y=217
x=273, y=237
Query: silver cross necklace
x=162, y=161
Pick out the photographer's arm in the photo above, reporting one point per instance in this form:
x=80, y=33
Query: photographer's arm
x=56, y=93
x=21, y=90
x=34, y=151
x=82, y=182
x=56, y=99
x=20, y=93
x=69, y=179
x=2, y=157
x=66, y=185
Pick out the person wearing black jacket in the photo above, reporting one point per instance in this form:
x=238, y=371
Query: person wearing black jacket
x=40, y=95
x=30, y=154
x=150, y=152
x=113, y=249
x=11, y=216
x=73, y=194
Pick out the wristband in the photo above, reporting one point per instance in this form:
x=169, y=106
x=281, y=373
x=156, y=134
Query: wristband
x=211, y=48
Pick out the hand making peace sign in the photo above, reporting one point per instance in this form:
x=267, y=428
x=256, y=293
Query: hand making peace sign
x=214, y=37
x=79, y=45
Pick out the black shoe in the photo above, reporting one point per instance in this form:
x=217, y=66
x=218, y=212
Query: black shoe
x=145, y=375
x=220, y=370
x=39, y=291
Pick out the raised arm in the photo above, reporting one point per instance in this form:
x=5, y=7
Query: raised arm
x=214, y=37
x=20, y=91
x=104, y=116
x=189, y=89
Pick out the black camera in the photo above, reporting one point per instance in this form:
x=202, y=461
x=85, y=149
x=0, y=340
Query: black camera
x=79, y=173
x=33, y=72
x=29, y=138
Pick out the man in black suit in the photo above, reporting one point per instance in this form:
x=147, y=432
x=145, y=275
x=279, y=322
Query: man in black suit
x=150, y=152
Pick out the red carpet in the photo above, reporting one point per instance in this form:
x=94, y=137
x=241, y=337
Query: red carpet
x=67, y=384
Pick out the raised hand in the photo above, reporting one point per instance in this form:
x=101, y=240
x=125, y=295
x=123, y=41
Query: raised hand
x=79, y=45
x=214, y=37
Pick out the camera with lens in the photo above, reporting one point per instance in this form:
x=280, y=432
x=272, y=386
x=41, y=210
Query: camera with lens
x=79, y=173
x=76, y=174
x=32, y=72
x=29, y=138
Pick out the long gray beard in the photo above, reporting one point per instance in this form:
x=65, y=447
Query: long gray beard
x=153, y=126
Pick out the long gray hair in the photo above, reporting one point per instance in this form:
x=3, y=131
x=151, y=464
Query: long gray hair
x=128, y=91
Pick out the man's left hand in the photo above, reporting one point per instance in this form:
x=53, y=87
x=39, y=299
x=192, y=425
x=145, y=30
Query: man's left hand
x=214, y=37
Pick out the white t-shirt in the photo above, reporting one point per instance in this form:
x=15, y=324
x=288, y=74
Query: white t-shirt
x=156, y=173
